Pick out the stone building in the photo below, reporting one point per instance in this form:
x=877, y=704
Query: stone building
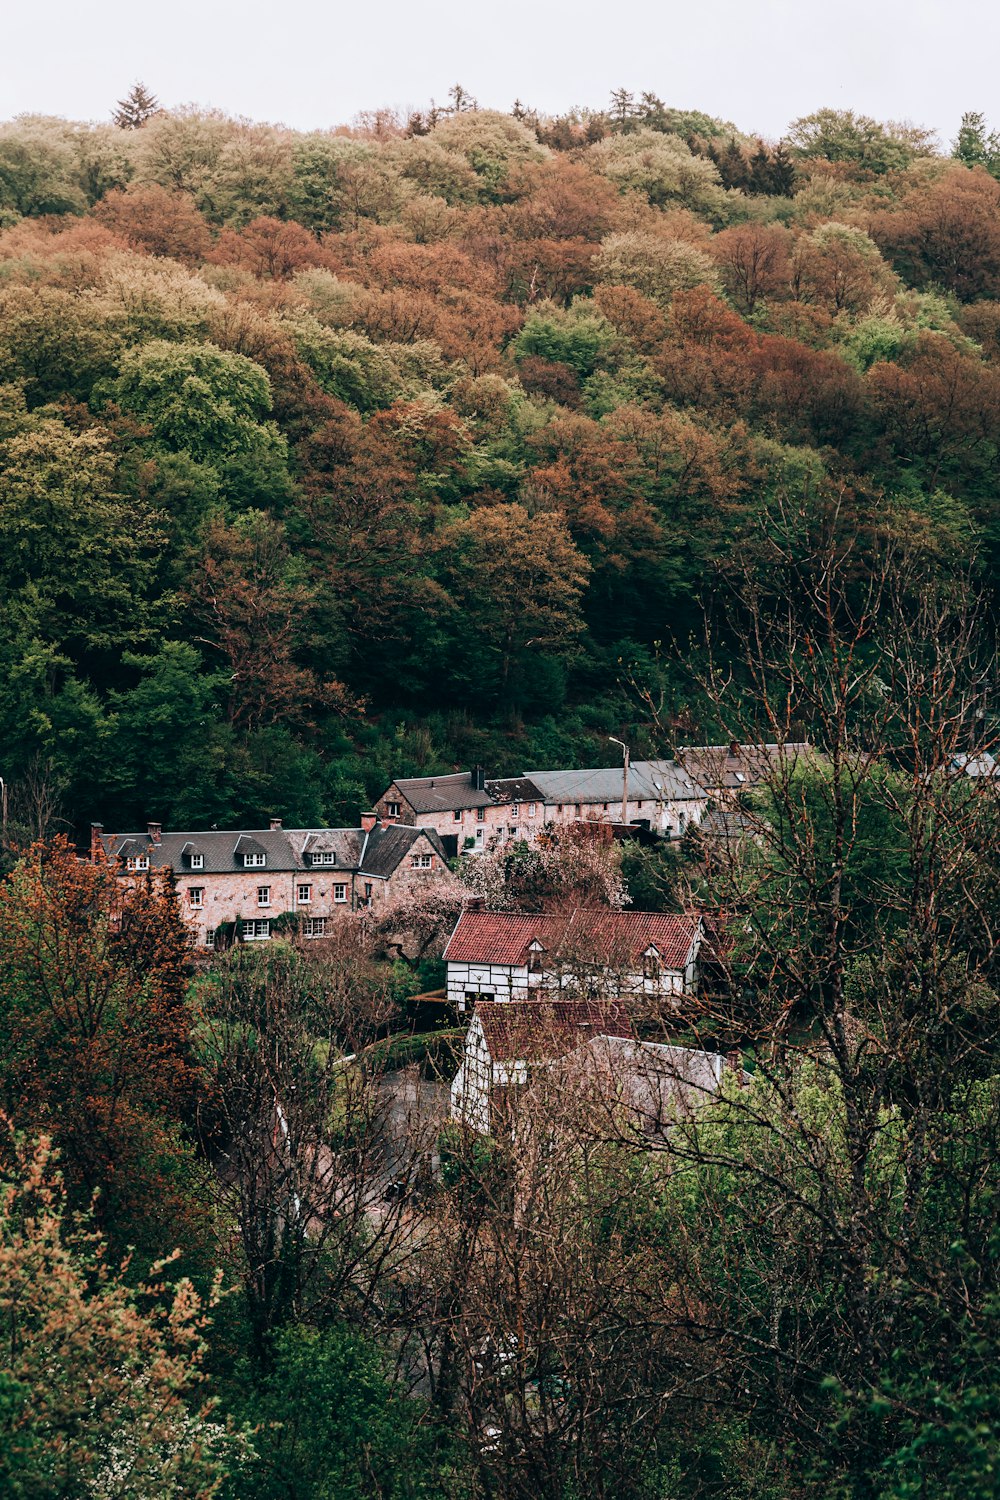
x=470, y=810
x=261, y=882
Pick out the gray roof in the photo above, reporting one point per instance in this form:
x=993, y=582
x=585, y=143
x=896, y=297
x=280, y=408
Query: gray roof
x=427, y=794
x=648, y=781
x=514, y=789
x=377, y=853
x=735, y=765
x=976, y=764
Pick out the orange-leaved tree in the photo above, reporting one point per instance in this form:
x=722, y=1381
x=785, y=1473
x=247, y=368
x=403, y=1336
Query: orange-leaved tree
x=94, y=1037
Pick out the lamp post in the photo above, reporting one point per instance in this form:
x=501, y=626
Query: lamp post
x=625, y=756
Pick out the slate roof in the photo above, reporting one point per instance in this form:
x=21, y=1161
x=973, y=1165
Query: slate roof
x=654, y=1079
x=428, y=794
x=503, y=938
x=541, y=1030
x=377, y=853
x=514, y=789
x=720, y=766
x=648, y=781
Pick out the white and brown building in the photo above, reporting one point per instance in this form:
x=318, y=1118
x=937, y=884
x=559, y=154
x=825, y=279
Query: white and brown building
x=257, y=882
x=587, y=953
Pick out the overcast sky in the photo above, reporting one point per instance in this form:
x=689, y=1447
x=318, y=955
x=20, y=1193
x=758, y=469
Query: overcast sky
x=312, y=64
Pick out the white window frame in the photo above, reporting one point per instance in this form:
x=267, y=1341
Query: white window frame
x=304, y=899
x=314, y=927
x=326, y=857
x=256, y=929
x=480, y=815
x=196, y=896
x=392, y=809
x=421, y=861
x=263, y=895
x=137, y=863
x=197, y=861
x=341, y=898
x=254, y=861
x=208, y=939
x=531, y=809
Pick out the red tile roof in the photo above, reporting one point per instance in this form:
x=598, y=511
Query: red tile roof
x=597, y=935
x=540, y=1030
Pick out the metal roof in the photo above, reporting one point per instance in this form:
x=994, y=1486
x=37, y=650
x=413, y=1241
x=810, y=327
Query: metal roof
x=648, y=781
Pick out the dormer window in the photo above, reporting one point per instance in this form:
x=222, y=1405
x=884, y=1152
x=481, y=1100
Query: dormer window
x=197, y=861
x=137, y=862
x=254, y=861
x=535, y=953
x=650, y=964
x=323, y=857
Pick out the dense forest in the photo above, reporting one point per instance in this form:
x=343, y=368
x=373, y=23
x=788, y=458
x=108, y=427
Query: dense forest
x=330, y=457
x=476, y=437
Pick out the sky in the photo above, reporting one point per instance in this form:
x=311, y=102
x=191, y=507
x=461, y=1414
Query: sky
x=310, y=64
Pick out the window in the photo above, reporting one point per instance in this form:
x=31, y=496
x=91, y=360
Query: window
x=340, y=893
x=392, y=809
x=534, y=961
x=263, y=895
x=559, y=808
x=513, y=809
x=579, y=809
x=605, y=807
x=256, y=931
x=421, y=861
x=197, y=861
x=254, y=861
x=531, y=809
x=324, y=857
x=680, y=822
x=368, y=890
x=138, y=862
x=209, y=937
x=305, y=893
x=196, y=895
x=650, y=966
x=314, y=927
x=457, y=815
x=479, y=837
x=480, y=815
x=513, y=833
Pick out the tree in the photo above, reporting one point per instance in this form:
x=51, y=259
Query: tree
x=95, y=1040
x=975, y=146
x=521, y=580
x=753, y=259
x=99, y=1379
x=138, y=106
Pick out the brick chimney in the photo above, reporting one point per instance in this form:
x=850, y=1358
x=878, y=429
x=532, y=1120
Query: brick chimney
x=154, y=831
x=478, y=779
x=734, y=748
x=96, y=846
x=368, y=821
x=275, y=825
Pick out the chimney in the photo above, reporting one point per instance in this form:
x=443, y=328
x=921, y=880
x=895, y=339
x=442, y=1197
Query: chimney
x=96, y=847
x=275, y=825
x=478, y=779
x=153, y=830
x=387, y=822
x=368, y=821
x=734, y=747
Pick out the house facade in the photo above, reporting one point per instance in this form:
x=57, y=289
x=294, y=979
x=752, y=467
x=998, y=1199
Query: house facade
x=511, y=957
x=264, y=881
x=470, y=811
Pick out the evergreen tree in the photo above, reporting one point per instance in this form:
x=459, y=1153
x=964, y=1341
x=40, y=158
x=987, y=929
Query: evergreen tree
x=138, y=106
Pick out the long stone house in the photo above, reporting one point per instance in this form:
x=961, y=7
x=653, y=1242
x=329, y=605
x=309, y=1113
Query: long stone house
x=260, y=882
x=633, y=955
x=470, y=810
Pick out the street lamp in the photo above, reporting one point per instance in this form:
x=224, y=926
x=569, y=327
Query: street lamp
x=625, y=755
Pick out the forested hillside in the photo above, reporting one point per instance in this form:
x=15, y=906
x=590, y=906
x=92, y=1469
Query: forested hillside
x=329, y=457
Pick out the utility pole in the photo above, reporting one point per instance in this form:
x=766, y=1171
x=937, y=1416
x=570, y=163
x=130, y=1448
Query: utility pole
x=625, y=757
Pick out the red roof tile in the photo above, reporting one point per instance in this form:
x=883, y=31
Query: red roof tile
x=540, y=1030
x=488, y=937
